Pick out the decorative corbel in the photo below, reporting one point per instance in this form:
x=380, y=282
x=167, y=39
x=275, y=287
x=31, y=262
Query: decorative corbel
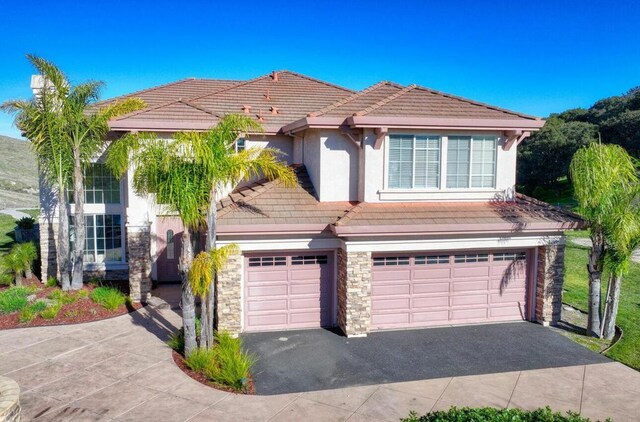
x=381, y=133
x=514, y=137
x=349, y=133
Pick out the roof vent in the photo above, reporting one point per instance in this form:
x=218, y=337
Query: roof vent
x=274, y=76
x=267, y=95
x=260, y=117
x=246, y=108
x=274, y=110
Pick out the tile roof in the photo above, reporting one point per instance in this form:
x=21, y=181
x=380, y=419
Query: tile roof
x=268, y=202
x=289, y=97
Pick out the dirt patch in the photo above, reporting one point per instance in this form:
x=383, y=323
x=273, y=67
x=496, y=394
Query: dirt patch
x=179, y=361
x=81, y=311
x=574, y=325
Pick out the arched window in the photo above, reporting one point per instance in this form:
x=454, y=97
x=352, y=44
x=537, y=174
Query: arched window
x=171, y=248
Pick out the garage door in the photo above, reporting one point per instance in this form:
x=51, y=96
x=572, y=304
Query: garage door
x=288, y=291
x=426, y=289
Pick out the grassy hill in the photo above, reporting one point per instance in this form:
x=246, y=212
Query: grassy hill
x=18, y=174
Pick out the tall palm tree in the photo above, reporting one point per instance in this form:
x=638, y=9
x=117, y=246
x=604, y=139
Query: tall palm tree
x=67, y=130
x=189, y=174
x=602, y=175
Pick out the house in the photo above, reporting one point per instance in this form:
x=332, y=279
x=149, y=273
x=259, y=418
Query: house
x=405, y=215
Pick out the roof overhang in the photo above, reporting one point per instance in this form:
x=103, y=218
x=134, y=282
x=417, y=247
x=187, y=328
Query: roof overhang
x=147, y=125
x=270, y=229
x=452, y=229
x=313, y=123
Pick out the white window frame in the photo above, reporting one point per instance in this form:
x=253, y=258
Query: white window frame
x=95, y=240
x=413, y=162
x=496, y=140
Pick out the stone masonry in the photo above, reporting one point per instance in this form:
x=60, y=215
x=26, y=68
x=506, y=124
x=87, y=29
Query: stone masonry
x=354, y=292
x=9, y=400
x=139, y=258
x=229, y=296
x=549, y=284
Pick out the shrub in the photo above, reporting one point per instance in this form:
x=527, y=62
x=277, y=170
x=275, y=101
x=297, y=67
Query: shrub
x=95, y=281
x=25, y=254
x=200, y=359
x=82, y=294
x=231, y=366
x=14, y=299
x=490, y=414
x=30, y=312
x=51, y=282
x=6, y=278
x=72, y=314
x=51, y=312
x=63, y=297
x=26, y=223
x=108, y=297
x=176, y=341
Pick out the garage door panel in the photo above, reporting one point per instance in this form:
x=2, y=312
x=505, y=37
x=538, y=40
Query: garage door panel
x=304, y=303
x=390, y=290
x=267, y=305
x=267, y=320
x=265, y=276
x=312, y=274
x=430, y=302
x=304, y=318
x=304, y=289
x=449, y=288
x=266, y=291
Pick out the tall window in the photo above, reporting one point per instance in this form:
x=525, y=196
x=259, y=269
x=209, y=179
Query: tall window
x=103, y=242
x=100, y=187
x=414, y=161
x=471, y=161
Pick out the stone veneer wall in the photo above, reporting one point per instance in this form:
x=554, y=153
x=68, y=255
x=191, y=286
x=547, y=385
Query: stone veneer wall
x=139, y=258
x=354, y=292
x=229, y=296
x=49, y=265
x=550, y=274
x=9, y=400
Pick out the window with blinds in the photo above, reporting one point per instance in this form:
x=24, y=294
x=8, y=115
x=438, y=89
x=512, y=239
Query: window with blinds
x=414, y=162
x=471, y=161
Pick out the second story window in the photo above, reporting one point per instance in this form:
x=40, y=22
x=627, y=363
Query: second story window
x=240, y=144
x=414, y=162
x=100, y=187
x=471, y=161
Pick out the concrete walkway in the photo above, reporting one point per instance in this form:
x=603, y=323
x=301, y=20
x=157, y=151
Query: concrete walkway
x=586, y=242
x=120, y=369
x=15, y=213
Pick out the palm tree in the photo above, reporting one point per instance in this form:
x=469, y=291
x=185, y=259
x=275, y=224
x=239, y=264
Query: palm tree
x=602, y=175
x=13, y=264
x=188, y=175
x=26, y=253
x=67, y=130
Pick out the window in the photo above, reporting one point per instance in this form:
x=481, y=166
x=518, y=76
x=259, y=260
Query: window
x=414, y=162
x=171, y=245
x=100, y=187
x=509, y=256
x=241, y=144
x=471, y=161
x=473, y=257
x=390, y=261
x=267, y=261
x=432, y=259
x=309, y=260
x=103, y=241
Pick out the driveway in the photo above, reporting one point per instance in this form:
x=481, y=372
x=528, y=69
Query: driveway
x=309, y=360
x=120, y=369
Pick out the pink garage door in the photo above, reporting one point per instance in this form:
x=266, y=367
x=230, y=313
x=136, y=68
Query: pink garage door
x=288, y=291
x=423, y=289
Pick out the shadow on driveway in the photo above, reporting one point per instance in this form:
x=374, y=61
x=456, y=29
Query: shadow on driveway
x=312, y=360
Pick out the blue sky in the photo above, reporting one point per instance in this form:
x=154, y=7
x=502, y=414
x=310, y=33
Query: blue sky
x=535, y=57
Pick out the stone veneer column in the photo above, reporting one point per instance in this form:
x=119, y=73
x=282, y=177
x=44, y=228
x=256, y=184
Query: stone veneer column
x=354, y=292
x=139, y=260
x=549, y=281
x=229, y=296
x=48, y=264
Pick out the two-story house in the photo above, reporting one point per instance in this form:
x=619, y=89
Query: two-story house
x=405, y=215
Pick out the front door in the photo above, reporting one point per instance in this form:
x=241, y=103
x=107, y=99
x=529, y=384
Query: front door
x=169, y=243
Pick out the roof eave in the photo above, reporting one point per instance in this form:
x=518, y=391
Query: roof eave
x=443, y=123
x=313, y=123
x=149, y=125
x=271, y=229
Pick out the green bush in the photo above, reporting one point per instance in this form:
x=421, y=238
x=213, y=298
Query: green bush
x=82, y=294
x=51, y=282
x=14, y=299
x=6, y=278
x=26, y=223
x=31, y=311
x=200, y=359
x=489, y=414
x=52, y=311
x=108, y=297
x=176, y=341
x=63, y=297
x=231, y=366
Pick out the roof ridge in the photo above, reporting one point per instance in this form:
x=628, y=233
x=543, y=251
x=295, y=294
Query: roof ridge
x=187, y=102
x=350, y=214
x=346, y=99
x=179, y=81
x=311, y=78
x=478, y=103
x=239, y=84
x=385, y=100
x=144, y=110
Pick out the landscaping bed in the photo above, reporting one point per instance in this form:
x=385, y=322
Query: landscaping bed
x=35, y=304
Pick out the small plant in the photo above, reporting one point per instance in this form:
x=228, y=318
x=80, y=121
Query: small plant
x=13, y=266
x=14, y=299
x=72, y=314
x=63, y=297
x=489, y=414
x=95, y=281
x=6, y=278
x=30, y=312
x=200, y=359
x=108, y=297
x=231, y=366
x=51, y=282
x=52, y=311
x=82, y=294
x=176, y=341
x=26, y=223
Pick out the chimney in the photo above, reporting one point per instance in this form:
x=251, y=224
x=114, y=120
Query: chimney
x=274, y=76
x=37, y=83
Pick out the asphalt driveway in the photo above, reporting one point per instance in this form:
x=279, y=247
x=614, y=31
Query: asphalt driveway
x=310, y=360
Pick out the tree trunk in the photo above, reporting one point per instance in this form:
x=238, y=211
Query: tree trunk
x=78, y=218
x=28, y=272
x=613, y=300
x=594, y=267
x=188, y=300
x=212, y=215
x=62, y=243
x=18, y=278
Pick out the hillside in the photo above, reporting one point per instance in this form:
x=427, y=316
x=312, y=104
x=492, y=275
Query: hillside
x=18, y=174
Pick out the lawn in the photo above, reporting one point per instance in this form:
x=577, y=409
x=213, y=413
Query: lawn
x=576, y=294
